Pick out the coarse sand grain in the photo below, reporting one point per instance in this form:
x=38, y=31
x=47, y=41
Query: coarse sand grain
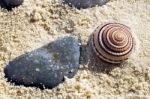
x=38, y=22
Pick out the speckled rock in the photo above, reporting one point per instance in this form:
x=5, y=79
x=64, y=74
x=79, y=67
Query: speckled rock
x=46, y=66
x=9, y=4
x=85, y=3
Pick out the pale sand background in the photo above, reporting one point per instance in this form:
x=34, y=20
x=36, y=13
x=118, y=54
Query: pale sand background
x=38, y=22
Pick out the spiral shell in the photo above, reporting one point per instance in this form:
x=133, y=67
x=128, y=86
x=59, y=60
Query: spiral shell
x=113, y=42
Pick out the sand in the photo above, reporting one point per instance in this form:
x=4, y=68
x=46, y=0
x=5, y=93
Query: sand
x=38, y=22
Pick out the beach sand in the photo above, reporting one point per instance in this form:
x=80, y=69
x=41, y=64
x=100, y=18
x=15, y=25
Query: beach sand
x=39, y=22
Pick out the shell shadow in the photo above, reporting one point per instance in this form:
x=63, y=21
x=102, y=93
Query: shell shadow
x=47, y=66
x=94, y=63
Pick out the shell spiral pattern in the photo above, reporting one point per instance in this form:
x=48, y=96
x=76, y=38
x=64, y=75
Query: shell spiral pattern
x=113, y=42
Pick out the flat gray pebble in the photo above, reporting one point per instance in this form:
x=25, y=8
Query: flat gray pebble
x=9, y=4
x=85, y=3
x=46, y=67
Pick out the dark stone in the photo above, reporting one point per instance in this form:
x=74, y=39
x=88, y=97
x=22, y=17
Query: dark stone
x=46, y=66
x=2, y=4
x=85, y=3
x=9, y=4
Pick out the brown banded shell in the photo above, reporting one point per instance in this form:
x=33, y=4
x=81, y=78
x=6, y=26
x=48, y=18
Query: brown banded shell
x=113, y=42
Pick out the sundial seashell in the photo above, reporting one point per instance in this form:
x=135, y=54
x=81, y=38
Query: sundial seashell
x=113, y=42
